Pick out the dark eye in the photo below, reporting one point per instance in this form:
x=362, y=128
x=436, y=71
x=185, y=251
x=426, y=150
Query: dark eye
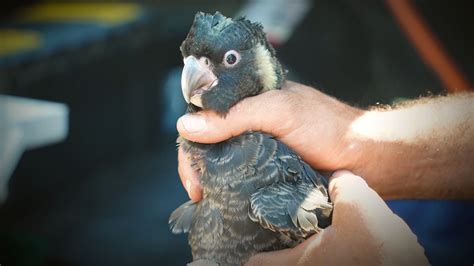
x=231, y=58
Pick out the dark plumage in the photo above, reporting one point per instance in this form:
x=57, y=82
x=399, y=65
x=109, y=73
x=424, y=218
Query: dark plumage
x=258, y=195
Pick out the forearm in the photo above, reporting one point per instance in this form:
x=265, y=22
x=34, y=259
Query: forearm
x=421, y=150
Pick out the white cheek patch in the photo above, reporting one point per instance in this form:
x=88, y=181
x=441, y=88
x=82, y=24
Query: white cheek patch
x=265, y=68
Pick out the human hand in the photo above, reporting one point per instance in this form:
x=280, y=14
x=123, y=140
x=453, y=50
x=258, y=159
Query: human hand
x=364, y=231
x=308, y=121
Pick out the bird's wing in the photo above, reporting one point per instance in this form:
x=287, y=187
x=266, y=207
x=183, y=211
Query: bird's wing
x=298, y=204
x=292, y=209
x=182, y=218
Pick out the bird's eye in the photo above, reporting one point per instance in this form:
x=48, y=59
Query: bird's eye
x=231, y=58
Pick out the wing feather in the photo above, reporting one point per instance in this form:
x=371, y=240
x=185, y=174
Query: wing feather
x=182, y=218
x=297, y=203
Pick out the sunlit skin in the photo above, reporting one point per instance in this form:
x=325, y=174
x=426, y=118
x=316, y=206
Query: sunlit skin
x=419, y=150
x=411, y=152
x=364, y=232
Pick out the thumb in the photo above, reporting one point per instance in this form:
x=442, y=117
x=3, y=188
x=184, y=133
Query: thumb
x=344, y=186
x=355, y=200
x=258, y=113
x=358, y=208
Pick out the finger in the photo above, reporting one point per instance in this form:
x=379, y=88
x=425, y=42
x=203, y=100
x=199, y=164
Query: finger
x=265, y=112
x=189, y=176
x=354, y=199
x=346, y=186
x=274, y=258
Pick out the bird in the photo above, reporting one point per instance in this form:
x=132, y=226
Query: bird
x=258, y=194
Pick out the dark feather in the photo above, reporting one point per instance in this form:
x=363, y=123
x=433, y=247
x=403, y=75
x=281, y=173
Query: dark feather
x=280, y=201
x=212, y=36
x=182, y=218
x=258, y=195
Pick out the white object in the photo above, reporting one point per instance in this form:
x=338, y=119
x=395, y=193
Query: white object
x=27, y=124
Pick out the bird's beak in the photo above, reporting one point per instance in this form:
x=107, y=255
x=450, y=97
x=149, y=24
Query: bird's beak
x=197, y=77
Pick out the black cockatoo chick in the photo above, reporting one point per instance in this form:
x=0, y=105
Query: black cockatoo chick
x=258, y=195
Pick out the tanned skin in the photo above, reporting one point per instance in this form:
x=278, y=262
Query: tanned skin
x=422, y=149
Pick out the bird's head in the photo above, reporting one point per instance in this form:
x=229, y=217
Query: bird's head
x=226, y=60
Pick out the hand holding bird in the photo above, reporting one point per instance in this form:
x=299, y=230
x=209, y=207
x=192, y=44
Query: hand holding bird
x=364, y=232
x=257, y=194
x=310, y=122
x=377, y=144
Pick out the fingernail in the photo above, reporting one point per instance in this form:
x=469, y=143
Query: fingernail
x=193, y=123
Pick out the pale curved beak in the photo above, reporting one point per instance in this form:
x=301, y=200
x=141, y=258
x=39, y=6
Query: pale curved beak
x=196, y=78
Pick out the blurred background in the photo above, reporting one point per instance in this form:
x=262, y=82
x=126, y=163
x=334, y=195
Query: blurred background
x=87, y=143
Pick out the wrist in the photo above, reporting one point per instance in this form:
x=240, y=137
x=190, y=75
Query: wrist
x=372, y=153
x=351, y=149
x=366, y=156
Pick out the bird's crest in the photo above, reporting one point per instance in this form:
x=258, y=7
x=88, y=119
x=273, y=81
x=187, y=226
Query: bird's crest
x=218, y=30
x=213, y=24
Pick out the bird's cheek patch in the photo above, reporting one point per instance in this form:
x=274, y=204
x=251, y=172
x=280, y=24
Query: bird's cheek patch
x=265, y=68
